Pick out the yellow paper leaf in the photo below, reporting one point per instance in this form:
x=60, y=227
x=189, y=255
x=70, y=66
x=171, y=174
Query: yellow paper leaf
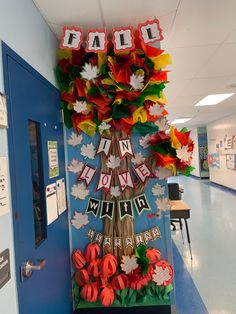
x=161, y=61
x=64, y=54
x=108, y=81
x=102, y=59
x=174, y=141
x=140, y=115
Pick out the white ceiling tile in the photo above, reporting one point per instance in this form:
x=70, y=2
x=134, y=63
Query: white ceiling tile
x=119, y=13
x=203, y=22
x=81, y=13
x=221, y=64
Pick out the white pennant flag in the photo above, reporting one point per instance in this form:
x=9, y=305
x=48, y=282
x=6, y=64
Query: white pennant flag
x=104, y=146
x=104, y=182
x=125, y=147
x=125, y=180
x=143, y=172
x=87, y=174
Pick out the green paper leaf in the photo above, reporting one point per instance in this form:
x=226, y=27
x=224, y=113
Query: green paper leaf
x=94, y=90
x=149, y=63
x=144, y=128
x=63, y=79
x=120, y=111
x=133, y=298
x=189, y=169
x=74, y=72
x=141, y=251
x=165, y=148
x=105, y=69
x=184, y=130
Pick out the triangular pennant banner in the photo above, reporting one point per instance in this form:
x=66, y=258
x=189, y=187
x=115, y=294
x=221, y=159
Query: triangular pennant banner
x=125, y=147
x=143, y=172
x=93, y=206
x=107, y=209
x=141, y=203
x=125, y=208
x=125, y=180
x=87, y=174
x=104, y=146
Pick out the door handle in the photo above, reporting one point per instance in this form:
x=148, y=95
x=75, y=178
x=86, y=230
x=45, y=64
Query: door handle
x=28, y=267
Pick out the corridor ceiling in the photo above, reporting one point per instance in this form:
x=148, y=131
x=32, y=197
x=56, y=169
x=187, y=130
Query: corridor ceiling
x=200, y=36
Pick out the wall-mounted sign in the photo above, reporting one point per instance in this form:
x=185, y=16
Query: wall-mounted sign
x=231, y=161
x=3, y=111
x=5, y=273
x=53, y=159
x=4, y=200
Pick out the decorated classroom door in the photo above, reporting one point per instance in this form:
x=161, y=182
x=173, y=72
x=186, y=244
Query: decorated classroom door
x=119, y=156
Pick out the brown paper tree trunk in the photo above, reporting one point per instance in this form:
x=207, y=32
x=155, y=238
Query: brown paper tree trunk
x=125, y=227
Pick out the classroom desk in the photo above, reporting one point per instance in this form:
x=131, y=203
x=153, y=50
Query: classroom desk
x=181, y=210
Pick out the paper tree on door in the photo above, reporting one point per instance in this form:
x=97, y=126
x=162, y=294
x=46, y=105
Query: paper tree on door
x=117, y=100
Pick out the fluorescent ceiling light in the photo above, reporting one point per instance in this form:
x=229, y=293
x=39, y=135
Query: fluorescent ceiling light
x=180, y=120
x=213, y=99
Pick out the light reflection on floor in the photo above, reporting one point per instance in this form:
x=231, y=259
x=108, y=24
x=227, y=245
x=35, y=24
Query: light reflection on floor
x=212, y=229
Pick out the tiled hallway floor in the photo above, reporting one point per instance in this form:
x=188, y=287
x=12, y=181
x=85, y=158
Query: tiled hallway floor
x=213, y=238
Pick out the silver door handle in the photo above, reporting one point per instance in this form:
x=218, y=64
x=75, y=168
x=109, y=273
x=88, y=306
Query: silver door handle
x=28, y=268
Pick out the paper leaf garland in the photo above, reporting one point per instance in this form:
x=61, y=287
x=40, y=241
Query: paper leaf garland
x=129, y=263
x=143, y=141
x=75, y=166
x=158, y=190
x=115, y=191
x=155, y=110
x=88, y=151
x=138, y=158
x=79, y=191
x=137, y=81
x=163, y=173
x=183, y=154
x=161, y=276
x=162, y=204
x=113, y=162
x=80, y=106
x=89, y=72
x=75, y=139
x=79, y=220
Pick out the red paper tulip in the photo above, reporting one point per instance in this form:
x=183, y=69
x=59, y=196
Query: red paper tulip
x=107, y=295
x=108, y=265
x=153, y=255
x=81, y=277
x=92, y=252
x=93, y=268
x=119, y=282
x=89, y=292
x=78, y=259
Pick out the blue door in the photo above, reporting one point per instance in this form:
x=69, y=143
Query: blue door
x=41, y=249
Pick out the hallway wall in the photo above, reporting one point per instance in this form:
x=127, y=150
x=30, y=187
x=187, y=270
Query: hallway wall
x=195, y=160
x=25, y=31
x=221, y=142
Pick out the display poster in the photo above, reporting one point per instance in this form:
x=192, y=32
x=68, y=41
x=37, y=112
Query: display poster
x=51, y=203
x=53, y=159
x=4, y=198
x=5, y=274
x=231, y=161
x=61, y=196
x=3, y=111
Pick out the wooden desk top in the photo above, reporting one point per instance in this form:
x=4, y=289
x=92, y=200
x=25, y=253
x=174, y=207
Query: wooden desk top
x=179, y=205
x=179, y=209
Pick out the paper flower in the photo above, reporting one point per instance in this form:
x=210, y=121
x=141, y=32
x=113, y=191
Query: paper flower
x=137, y=81
x=162, y=204
x=162, y=124
x=79, y=220
x=143, y=141
x=80, y=191
x=75, y=166
x=115, y=191
x=128, y=263
x=113, y=162
x=158, y=190
x=183, y=154
x=161, y=276
x=80, y=106
x=75, y=139
x=163, y=173
x=155, y=110
x=88, y=151
x=138, y=158
x=89, y=71
x=104, y=126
